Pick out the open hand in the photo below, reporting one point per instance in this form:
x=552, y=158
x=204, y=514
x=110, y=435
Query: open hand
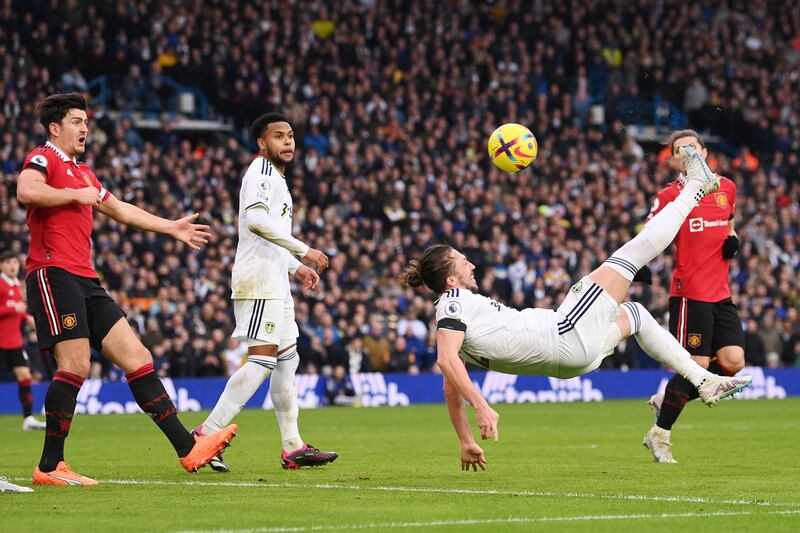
x=472, y=456
x=307, y=277
x=193, y=235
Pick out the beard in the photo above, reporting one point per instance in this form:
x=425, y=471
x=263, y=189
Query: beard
x=277, y=158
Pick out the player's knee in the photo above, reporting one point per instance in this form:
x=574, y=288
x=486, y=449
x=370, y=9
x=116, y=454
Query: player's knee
x=22, y=373
x=77, y=367
x=141, y=357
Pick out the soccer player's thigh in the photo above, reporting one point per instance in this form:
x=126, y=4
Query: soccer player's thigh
x=259, y=324
x=57, y=303
x=110, y=332
x=728, y=340
x=592, y=333
x=692, y=324
x=289, y=331
x=17, y=362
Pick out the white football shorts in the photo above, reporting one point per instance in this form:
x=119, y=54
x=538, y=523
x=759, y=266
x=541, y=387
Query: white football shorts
x=260, y=322
x=587, y=329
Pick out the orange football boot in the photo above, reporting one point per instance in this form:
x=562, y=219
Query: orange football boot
x=207, y=447
x=62, y=475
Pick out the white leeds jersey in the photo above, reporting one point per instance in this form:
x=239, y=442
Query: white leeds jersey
x=498, y=337
x=261, y=268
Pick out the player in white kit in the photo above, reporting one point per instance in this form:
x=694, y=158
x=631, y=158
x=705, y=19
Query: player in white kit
x=266, y=256
x=568, y=342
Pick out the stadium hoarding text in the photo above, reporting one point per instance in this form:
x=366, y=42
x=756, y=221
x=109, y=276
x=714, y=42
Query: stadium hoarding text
x=96, y=397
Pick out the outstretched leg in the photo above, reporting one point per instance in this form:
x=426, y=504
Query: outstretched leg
x=659, y=344
x=617, y=272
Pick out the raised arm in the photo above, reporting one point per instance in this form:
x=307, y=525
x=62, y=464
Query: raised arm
x=193, y=235
x=33, y=191
x=448, y=343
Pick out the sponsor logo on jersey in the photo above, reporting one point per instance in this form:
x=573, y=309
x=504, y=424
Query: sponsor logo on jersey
x=452, y=309
x=694, y=339
x=40, y=160
x=698, y=224
x=69, y=173
x=69, y=321
x=288, y=210
x=269, y=327
x=721, y=199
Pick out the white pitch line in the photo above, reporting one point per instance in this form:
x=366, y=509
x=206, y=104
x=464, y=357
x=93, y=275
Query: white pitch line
x=478, y=492
x=488, y=521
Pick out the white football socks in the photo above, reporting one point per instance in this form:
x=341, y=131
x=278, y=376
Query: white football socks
x=657, y=234
x=659, y=344
x=283, y=393
x=240, y=387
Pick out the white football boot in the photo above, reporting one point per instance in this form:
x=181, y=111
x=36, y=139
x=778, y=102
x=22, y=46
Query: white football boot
x=30, y=423
x=657, y=441
x=7, y=486
x=655, y=402
x=697, y=169
x=715, y=388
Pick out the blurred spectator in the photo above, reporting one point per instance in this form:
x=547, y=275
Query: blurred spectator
x=754, y=353
x=339, y=388
x=377, y=348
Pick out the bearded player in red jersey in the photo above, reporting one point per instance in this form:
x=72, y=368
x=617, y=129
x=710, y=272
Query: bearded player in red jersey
x=702, y=315
x=71, y=310
x=12, y=312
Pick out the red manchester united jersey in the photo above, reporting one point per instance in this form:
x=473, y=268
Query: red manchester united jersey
x=10, y=319
x=701, y=273
x=61, y=236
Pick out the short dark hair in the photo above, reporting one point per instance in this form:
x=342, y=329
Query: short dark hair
x=432, y=269
x=260, y=124
x=8, y=254
x=680, y=134
x=56, y=106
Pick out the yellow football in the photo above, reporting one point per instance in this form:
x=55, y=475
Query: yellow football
x=512, y=147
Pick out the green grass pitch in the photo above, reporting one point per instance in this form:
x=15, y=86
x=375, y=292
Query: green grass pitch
x=557, y=467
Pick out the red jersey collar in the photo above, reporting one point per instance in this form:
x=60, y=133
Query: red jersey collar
x=61, y=154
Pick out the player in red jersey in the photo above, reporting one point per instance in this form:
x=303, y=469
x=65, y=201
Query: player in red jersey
x=71, y=310
x=13, y=312
x=703, y=316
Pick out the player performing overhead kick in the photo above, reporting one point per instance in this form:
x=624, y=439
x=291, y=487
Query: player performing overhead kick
x=71, y=310
x=565, y=343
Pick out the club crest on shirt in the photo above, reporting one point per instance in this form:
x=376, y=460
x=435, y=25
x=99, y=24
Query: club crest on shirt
x=452, y=309
x=69, y=321
x=269, y=327
x=40, y=160
x=721, y=199
x=578, y=287
x=694, y=339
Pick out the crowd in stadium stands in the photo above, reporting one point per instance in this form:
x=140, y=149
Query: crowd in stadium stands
x=392, y=103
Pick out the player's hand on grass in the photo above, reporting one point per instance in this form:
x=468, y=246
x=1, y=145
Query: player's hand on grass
x=472, y=456
x=317, y=258
x=487, y=419
x=87, y=196
x=307, y=277
x=193, y=235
